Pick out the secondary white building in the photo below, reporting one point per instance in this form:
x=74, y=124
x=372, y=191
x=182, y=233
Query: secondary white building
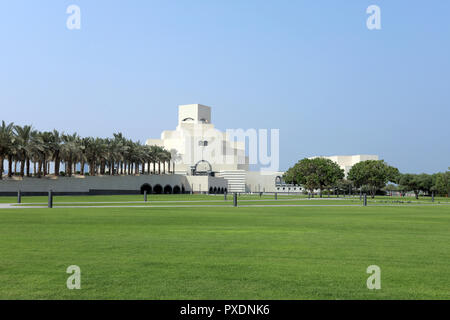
x=347, y=162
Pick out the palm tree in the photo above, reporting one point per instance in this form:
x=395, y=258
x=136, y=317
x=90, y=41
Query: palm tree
x=6, y=140
x=47, y=153
x=70, y=148
x=161, y=157
x=54, y=145
x=12, y=156
x=168, y=156
x=23, y=135
x=175, y=157
x=84, y=143
x=118, y=155
x=37, y=150
x=122, y=150
x=102, y=154
x=164, y=157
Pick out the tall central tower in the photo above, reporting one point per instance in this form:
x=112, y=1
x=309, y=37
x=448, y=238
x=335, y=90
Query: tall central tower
x=194, y=113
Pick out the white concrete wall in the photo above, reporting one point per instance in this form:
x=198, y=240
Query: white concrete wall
x=111, y=183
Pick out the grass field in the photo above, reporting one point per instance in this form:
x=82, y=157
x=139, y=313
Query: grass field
x=310, y=252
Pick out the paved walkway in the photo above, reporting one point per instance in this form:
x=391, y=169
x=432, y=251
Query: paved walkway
x=229, y=199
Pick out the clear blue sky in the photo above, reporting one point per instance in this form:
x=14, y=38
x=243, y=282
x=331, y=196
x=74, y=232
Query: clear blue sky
x=310, y=68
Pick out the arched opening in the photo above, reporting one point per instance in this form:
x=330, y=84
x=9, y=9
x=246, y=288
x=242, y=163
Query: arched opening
x=176, y=190
x=202, y=168
x=226, y=190
x=167, y=189
x=146, y=187
x=158, y=189
x=222, y=190
x=211, y=189
x=215, y=190
x=278, y=180
x=183, y=189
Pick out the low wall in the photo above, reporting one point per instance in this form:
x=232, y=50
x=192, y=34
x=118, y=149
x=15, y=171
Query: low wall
x=109, y=184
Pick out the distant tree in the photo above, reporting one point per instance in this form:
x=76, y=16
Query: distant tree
x=314, y=174
x=343, y=186
x=393, y=174
x=426, y=183
x=441, y=183
x=373, y=174
x=416, y=183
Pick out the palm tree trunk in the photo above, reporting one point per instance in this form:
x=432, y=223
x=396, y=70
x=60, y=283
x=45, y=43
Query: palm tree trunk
x=69, y=168
x=159, y=167
x=82, y=167
x=57, y=163
x=22, y=168
x=39, y=168
x=34, y=169
x=1, y=167
x=45, y=166
x=9, y=166
x=28, y=166
x=15, y=167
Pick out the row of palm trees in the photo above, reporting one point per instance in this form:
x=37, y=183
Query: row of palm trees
x=24, y=148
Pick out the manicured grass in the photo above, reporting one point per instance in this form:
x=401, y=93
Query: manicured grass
x=226, y=253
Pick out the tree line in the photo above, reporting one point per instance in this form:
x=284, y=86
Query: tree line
x=367, y=176
x=25, y=148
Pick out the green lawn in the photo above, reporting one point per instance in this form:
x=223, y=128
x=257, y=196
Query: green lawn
x=225, y=253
